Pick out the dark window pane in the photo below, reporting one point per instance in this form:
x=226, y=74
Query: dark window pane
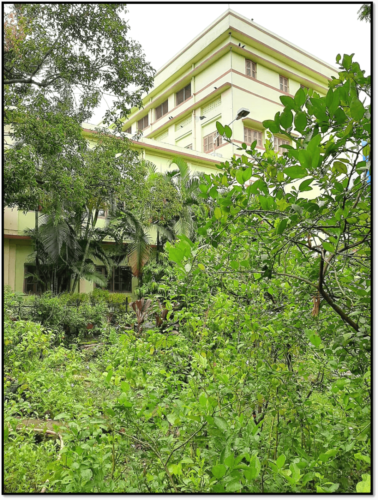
x=188, y=91
x=180, y=96
x=165, y=107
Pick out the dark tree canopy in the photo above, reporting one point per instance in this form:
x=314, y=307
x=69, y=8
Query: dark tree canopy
x=82, y=50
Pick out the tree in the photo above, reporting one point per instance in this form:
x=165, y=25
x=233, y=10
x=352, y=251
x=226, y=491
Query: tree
x=52, y=50
x=281, y=274
x=60, y=253
x=186, y=185
x=324, y=235
x=364, y=13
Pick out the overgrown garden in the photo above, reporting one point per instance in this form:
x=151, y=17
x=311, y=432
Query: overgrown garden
x=245, y=363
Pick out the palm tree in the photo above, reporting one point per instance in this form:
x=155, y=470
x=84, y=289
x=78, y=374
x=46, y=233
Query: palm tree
x=186, y=185
x=63, y=252
x=131, y=239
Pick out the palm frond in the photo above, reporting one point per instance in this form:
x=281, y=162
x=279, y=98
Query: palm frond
x=167, y=232
x=139, y=250
x=55, y=234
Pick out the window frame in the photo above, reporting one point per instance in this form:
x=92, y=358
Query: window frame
x=162, y=110
x=284, y=87
x=28, y=268
x=128, y=131
x=214, y=136
x=184, y=96
x=35, y=290
x=280, y=141
x=111, y=280
x=253, y=68
x=259, y=139
x=143, y=122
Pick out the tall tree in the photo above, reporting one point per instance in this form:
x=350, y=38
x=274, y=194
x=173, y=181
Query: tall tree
x=272, y=228
x=59, y=61
x=83, y=50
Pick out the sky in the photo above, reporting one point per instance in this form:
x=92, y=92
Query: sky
x=323, y=30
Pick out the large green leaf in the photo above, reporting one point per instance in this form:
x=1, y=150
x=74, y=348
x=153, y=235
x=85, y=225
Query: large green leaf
x=218, y=213
x=221, y=423
x=327, y=246
x=176, y=254
x=339, y=167
x=287, y=101
x=219, y=471
x=254, y=469
x=272, y=126
x=364, y=486
x=286, y=119
x=305, y=185
x=335, y=102
x=300, y=97
x=347, y=61
x=295, y=172
x=357, y=109
x=234, y=485
x=239, y=176
x=281, y=461
x=247, y=174
x=314, y=143
x=329, y=98
x=282, y=226
x=220, y=128
x=227, y=131
x=300, y=121
x=340, y=116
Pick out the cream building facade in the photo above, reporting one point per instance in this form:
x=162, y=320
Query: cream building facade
x=232, y=64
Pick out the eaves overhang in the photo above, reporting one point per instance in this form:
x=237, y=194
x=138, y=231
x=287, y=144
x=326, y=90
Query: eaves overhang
x=159, y=149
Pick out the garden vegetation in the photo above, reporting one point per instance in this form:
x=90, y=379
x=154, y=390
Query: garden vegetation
x=244, y=363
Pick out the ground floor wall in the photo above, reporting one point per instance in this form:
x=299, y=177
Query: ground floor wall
x=19, y=252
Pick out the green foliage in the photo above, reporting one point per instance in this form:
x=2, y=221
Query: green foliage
x=59, y=49
x=364, y=13
x=260, y=381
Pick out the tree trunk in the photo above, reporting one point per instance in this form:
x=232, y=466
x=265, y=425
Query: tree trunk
x=77, y=277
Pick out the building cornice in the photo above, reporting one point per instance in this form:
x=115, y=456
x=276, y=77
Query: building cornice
x=254, y=25
x=164, y=151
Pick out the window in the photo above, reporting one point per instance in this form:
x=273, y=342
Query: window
x=277, y=144
x=183, y=94
x=252, y=135
x=284, y=84
x=161, y=110
x=250, y=68
x=128, y=131
x=120, y=279
x=189, y=146
x=31, y=285
x=60, y=282
x=211, y=141
x=102, y=213
x=143, y=123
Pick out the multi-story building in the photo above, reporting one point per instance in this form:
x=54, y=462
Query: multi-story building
x=232, y=64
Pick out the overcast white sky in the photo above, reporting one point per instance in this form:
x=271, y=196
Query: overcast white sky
x=324, y=30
